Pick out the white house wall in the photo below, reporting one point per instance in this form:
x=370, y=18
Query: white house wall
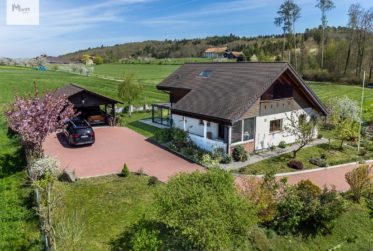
x=193, y=126
x=264, y=139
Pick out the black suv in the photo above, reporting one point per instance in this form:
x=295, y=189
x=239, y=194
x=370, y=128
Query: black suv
x=79, y=132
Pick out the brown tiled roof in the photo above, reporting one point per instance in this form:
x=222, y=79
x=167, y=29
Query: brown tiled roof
x=217, y=50
x=229, y=90
x=237, y=53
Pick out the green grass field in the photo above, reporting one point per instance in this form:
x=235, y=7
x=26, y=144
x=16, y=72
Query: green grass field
x=141, y=72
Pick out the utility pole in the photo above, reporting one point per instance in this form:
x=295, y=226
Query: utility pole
x=361, y=112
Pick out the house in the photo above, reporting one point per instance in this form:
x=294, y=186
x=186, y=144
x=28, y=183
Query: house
x=223, y=105
x=221, y=52
x=218, y=52
x=94, y=107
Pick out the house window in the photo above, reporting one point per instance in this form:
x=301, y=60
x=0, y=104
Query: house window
x=243, y=130
x=275, y=125
x=248, y=129
x=237, y=132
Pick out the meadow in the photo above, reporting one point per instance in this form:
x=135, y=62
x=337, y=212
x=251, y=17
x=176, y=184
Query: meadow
x=17, y=219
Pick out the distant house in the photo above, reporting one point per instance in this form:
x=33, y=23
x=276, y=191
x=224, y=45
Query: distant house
x=222, y=105
x=221, y=52
x=217, y=52
x=56, y=60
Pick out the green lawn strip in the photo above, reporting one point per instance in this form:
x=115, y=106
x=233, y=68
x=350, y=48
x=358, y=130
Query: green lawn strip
x=139, y=127
x=19, y=228
x=105, y=206
x=353, y=230
x=334, y=156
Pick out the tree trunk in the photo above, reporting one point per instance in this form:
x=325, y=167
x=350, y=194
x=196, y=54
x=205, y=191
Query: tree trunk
x=322, y=47
x=348, y=53
x=129, y=109
x=283, y=46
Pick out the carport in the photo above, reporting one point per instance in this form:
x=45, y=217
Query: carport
x=95, y=108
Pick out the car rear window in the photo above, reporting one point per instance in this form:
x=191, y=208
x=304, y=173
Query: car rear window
x=84, y=131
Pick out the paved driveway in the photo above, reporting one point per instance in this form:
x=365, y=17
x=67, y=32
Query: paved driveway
x=115, y=146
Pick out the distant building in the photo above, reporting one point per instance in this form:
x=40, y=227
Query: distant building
x=221, y=52
x=56, y=60
x=217, y=52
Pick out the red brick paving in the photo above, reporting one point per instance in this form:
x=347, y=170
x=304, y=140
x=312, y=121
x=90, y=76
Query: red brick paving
x=115, y=146
x=326, y=177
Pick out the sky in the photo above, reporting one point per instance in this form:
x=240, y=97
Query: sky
x=70, y=25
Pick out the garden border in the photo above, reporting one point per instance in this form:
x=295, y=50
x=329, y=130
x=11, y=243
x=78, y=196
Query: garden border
x=305, y=171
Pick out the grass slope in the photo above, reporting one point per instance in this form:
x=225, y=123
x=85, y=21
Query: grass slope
x=105, y=206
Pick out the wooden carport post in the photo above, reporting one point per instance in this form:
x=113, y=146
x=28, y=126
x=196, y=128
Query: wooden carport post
x=113, y=113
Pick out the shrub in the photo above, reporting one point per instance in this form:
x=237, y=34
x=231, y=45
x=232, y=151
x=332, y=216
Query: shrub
x=239, y=153
x=363, y=152
x=125, y=171
x=282, y=144
x=318, y=162
x=262, y=195
x=221, y=218
x=259, y=240
x=272, y=148
x=153, y=181
x=208, y=161
x=290, y=210
x=331, y=206
x=320, y=136
x=226, y=159
x=359, y=180
x=295, y=164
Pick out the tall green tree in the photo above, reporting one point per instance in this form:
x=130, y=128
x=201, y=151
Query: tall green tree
x=129, y=90
x=288, y=14
x=324, y=6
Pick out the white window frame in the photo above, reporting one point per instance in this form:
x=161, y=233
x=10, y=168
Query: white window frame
x=242, y=132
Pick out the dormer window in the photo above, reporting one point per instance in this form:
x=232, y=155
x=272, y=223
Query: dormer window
x=205, y=74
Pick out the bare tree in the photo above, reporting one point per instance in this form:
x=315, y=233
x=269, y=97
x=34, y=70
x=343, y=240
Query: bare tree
x=302, y=128
x=288, y=14
x=324, y=6
x=353, y=12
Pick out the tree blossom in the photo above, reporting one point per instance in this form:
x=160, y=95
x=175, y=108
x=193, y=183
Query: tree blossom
x=34, y=117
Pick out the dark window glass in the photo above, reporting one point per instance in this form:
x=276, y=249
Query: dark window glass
x=275, y=125
x=248, y=129
x=237, y=132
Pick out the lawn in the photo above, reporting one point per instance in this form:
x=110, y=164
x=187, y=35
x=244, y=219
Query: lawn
x=102, y=208
x=134, y=123
x=99, y=210
x=334, y=156
x=353, y=230
x=17, y=80
x=18, y=223
x=326, y=91
x=141, y=72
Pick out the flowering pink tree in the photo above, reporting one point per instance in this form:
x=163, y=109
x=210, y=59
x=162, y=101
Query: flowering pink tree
x=34, y=117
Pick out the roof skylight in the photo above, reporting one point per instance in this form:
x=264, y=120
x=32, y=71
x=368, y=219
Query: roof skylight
x=205, y=73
